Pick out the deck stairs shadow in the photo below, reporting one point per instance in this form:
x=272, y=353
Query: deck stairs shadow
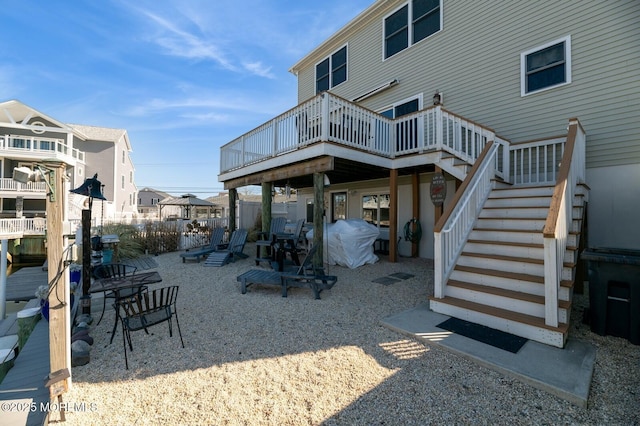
x=498, y=280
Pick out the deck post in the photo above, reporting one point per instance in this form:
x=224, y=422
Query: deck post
x=393, y=215
x=3, y=278
x=59, y=312
x=233, y=196
x=267, y=187
x=318, y=213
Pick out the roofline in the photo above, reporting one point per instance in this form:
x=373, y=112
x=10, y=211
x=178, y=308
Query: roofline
x=351, y=26
x=63, y=126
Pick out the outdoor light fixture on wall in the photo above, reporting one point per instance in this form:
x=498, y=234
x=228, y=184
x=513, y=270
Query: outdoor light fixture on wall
x=437, y=98
x=41, y=174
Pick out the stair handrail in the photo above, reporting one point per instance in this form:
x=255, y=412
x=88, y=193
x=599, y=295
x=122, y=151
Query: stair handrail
x=455, y=224
x=558, y=222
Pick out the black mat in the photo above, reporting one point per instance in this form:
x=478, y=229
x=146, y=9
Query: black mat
x=484, y=334
x=385, y=280
x=401, y=275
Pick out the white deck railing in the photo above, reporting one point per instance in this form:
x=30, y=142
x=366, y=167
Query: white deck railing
x=39, y=148
x=9, y=184
x=451, y=232
x=329, y=118
x=560, y=217
x=16, y=228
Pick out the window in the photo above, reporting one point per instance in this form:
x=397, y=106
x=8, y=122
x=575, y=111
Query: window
x=413, y=22
x=338, y=206
x=130, y=177
x=375, y=209
x=406, y=130
x=122, y=181
x=332, y=71
x=546, y=66
x=123, y=156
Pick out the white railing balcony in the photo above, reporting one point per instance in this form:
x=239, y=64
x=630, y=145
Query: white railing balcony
x=10, y=185
x=329, y=118
x=39, y=148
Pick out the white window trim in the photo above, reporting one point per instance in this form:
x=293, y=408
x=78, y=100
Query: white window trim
x=315, y=69
x=523, y=65
x=410, y=35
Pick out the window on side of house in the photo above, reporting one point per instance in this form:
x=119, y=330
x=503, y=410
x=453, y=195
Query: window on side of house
x=546, y=66
x=338, y=206
x=122, y=179
x=332, y=70
x=375, y=209
x=413, y=22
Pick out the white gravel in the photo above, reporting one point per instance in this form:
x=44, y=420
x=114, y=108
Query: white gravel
x=260, y=359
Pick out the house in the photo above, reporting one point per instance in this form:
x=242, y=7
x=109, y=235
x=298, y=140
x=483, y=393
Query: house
x=499, y=128
x=148, y=199
x=29, y=137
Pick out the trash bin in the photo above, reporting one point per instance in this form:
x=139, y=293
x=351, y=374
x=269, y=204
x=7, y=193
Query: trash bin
x=614, y=292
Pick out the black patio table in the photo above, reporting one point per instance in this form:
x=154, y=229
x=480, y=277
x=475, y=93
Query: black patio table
x=121, y=283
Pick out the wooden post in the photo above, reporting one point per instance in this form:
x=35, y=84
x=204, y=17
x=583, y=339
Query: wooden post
x=233, y=196
x=393, y=215
x=438, y=210
x=86, y=260
x=318, y=213
x=266, y=206
x=415, y=185
x=59, y=309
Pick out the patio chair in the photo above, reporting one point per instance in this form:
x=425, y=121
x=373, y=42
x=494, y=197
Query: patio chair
x=267, y=239
x=146, y=310
x=115, y=271
x=229, y=252
x=306, y=276
x=216, y=240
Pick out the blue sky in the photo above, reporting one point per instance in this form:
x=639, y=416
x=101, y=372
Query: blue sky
x=183, y=77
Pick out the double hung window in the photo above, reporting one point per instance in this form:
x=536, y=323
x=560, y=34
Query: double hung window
x=375, y=209
x=413, y=22
x=332, y=71
x=546, y=66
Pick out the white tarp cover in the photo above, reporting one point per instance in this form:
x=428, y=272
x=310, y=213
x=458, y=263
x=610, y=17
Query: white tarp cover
x=349, y=242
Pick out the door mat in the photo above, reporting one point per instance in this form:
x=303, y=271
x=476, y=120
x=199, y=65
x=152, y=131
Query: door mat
x=484, y=334
x=401, y=275
x=386, y=280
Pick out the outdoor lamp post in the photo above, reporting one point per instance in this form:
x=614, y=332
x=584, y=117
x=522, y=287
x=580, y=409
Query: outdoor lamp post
x=91, y=188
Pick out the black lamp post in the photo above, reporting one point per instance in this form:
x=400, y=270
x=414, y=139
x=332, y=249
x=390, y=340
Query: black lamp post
x=90, y=188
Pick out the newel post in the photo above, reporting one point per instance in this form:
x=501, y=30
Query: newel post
x=324, y=127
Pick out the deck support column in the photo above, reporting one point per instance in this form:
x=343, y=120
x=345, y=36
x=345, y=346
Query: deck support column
x=3, y=278
x=415, y=186
x=233, y=196
x=267, y=188
x=318, y=214
x=393, y=215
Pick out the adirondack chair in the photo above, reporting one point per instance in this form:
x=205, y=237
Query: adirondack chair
x=216, y=241
x=305, y=276
x=267, y=239
x=226, y=253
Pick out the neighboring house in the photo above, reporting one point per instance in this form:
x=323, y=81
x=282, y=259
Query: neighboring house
x=28, y=137
x=107, y=153
x=397, y=106
x=148, y=207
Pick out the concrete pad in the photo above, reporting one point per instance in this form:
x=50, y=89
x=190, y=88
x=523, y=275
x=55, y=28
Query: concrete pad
x=565, y=373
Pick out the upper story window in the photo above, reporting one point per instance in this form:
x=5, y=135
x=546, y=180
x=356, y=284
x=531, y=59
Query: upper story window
x=332, y=71
x=546, y=66
x=123, y=156
x=415, y=21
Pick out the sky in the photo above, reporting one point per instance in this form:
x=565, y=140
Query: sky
x=183, y=77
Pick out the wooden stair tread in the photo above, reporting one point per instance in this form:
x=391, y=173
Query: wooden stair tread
x=503, y=257
x=496, y=291
x=503, y=274
x=527, y=231
x=502, y=313
x=506, y=243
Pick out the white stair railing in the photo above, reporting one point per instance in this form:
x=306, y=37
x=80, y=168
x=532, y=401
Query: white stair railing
x=453, y=228
x=560, y=217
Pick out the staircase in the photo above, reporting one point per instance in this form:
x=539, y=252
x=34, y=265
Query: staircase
x=498, y=280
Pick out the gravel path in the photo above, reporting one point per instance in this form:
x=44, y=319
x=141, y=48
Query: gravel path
x=260, y=359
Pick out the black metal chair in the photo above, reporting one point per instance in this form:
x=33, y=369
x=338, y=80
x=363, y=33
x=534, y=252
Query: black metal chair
x=116, y=270
x=146, y=310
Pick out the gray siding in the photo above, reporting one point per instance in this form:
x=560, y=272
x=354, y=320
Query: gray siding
x=475, y=62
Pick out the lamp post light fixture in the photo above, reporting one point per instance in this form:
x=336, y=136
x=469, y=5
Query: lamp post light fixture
x=91, y=188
